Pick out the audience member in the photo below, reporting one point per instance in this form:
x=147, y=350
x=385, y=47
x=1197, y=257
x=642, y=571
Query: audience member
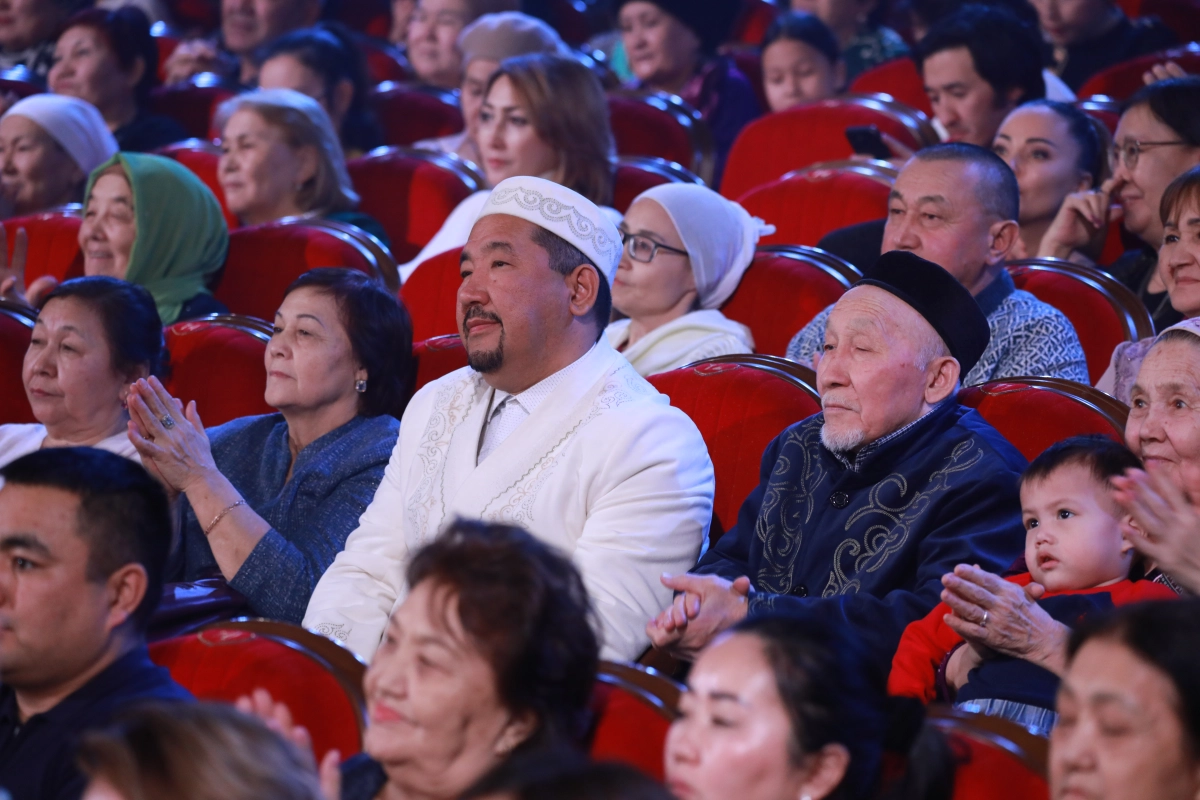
x=433, y=31
x=550, y=427
x=1128, y=722
x=86, y=535
x=194, y=752
x=543, y=116
x=271, y=499
x=1054, y=149
x=1091, y=35
x=327, y=64
x=109, y=59
x=402, y=11
x=1075, y=552
x=281, y=157
x=915, y=482
x=801, y=61
x=92, y=339
x=48, y=146
x=564, y=773
x=862, y=37
x=957, y=205
x=485, y=43
x=671, y=46
x=686, y=248
x=246, y=25
x=27, y=31
x=1157, y=139
x=1179, y=259
x=978, y=64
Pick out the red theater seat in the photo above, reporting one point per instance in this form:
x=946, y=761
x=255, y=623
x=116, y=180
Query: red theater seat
x=739, y=403
x=10, y=83
x=431, y=295
x=779, y=143
x=370, y=17
x=410, y=112
x=996, y=759
x=438, y=356
x=806, y=205
x=320, y=686
x=1103, y=311
x=634, y=707
x=218, y=362
x=636, y=174
x=202, y=157
x=53, y=243
x=783, y=290
x=1102, y=109
x=16, y=327
x=384, y=61
x=752, y=23
x=1034, y=413
x=1122, y=80
x=1181, y=16
x=193, y=103
x=898, y=78
x=411, y=192
x=661, y=125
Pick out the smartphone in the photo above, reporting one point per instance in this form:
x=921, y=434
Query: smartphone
x=865, y=140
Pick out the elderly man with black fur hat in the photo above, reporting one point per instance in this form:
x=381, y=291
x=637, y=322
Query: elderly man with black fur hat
x=863, y=507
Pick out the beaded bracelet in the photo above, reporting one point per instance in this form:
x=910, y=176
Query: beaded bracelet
x=221, y=516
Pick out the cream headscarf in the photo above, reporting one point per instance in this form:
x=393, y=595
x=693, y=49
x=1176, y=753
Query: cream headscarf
x=718, y=234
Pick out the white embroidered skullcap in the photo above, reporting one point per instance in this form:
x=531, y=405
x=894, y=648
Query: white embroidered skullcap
x=565, y=213
x=73, y=123
x=719, y=235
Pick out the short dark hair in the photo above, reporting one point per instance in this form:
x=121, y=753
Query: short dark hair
x=1175, y=103
x=1093, y=158
x=1007, y=52
x=931, y=11
x=130, y=318
x=556, y=773
x=127, y=33
x=1101, y=455
x=564, y=258
x=798, y=26
x=380, y=332
x=123, y=513
x=997, y=191
x=525, y=606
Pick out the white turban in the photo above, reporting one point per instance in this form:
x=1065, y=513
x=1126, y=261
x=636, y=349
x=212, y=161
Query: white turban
x=719, y=235
x=565, y=213
x=73, y=123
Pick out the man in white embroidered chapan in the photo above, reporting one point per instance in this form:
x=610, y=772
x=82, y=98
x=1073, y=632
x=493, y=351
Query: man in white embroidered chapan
x=548, y=428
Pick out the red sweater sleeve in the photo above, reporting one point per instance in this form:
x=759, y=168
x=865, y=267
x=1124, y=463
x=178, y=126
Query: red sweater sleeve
x=1127, y=592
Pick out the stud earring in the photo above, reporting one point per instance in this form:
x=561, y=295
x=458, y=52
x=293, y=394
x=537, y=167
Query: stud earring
x=360, y=386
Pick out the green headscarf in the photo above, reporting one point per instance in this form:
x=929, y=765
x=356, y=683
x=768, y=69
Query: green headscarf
x=181, y=239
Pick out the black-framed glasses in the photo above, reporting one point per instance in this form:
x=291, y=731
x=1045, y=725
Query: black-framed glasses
x=643, y=249
x=1129, y=152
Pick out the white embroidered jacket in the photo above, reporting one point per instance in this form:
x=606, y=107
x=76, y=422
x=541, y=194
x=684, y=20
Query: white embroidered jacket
x=605, y=470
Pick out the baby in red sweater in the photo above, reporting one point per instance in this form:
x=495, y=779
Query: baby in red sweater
x=1074, y=547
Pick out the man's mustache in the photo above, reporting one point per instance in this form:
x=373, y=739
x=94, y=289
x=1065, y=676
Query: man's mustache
x=477, y=312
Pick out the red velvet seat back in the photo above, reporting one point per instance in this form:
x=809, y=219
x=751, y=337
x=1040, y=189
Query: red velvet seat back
x=438, y=356
x=899, y=78
x=1122, y=80
x=223, y=665
x=995, y=759
x=628, y=729
x=21, y=89
x=643, y=125
x=752, y=23
x=263, y=260
x=739, y=408
x=384, y=61
x=780, y=293
x=219, y=364
x=636, y=174
x=53, y=245
x=776, y=144
x=409, y=113
x=16, y=328
x=1034, y=413
x=191, y=105
x=431, y=295
x=803, y=208
x=203, y=159
x=411, y=196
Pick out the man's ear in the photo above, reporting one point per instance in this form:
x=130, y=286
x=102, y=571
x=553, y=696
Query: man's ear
x=126, y=589
x=583, y=284
x=942, y=377
x=1002, y=236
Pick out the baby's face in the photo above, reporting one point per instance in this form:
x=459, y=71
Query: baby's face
x=1072, y=533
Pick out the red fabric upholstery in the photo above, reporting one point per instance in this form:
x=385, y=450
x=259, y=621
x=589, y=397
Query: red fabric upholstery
x=571, y=19
x=438, y=356
x=642, y=126
x=988, y=771
x=371, y=17
x=749, y=63
x=776, y=144
x=15, y=331
x=166, y=46
x=409, y=195
x=190, y=104
x=223, y=665
x=1181, y=16
x=202, y=158
x=409, y=114
x=53, y=245
x=21, y=89
x=384, y=62
x=803, y=208
x=899, y=78
x=628, y=729
x=1122, y=80
x=220, y=366
x=630, y=181
x=431, y=294
x=739, y=409
x=778, y=296
x=1033, y=414
x=752, y=23
x=1106, y=112
x=263, y=260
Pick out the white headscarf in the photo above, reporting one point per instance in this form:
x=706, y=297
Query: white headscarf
x=718, y=234
x=73, y=123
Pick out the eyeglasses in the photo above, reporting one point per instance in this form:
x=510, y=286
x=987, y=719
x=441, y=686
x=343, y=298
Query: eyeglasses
x=1128, y=153
x=643, y=249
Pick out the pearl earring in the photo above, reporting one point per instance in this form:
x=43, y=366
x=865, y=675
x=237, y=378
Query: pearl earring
x=360, y=386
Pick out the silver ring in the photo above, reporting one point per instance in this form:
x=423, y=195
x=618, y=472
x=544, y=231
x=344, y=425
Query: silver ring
x=167, y=421
x=983, y=624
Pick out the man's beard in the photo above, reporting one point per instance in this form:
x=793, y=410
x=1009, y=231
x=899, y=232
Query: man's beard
x=841, y=441
x=484, y=361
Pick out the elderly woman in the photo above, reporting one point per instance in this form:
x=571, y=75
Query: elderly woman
x=271, y=499
x=1129, y=724
x=484, y=44
x=280, y=157
x=109, y=59
x=48, y=146
x=93, y=337
x=686, y=248
x=433, y=31
x=27, y=31
x=671, y=46
x=801, y=62
x=545, y=116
